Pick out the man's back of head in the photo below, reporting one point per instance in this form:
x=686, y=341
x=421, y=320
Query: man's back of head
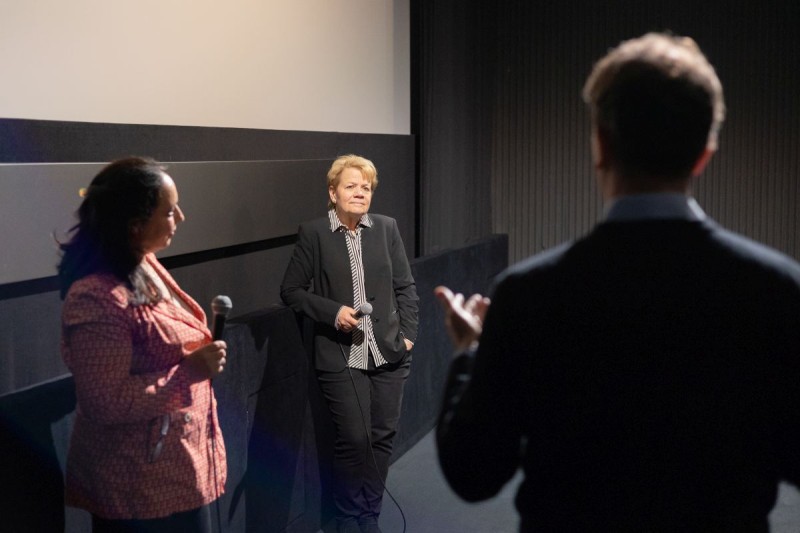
x=658, y=104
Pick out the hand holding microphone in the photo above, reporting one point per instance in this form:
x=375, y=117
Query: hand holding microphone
x=363, y=310
x=209, y=361
x=348, y=318
x=220, y=306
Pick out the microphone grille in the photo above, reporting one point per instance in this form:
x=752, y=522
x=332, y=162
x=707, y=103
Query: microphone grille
x=365, y=309
x=221, y=305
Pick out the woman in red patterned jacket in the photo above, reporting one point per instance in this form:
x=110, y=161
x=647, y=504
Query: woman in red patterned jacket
x=146, y=452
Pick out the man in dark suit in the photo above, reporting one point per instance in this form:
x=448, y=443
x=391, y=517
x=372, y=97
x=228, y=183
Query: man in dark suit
x=646, y=378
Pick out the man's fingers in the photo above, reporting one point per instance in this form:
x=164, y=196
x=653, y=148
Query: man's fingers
x=472, y=302
x=457, y=301
x=444, y=295
x=475, y=305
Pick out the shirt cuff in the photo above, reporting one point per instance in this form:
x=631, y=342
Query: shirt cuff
x=336, y=318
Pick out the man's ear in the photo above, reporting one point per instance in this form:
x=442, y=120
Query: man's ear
x=601, y=148
x=702, y=161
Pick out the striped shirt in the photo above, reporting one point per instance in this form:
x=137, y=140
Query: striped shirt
x=363, y=337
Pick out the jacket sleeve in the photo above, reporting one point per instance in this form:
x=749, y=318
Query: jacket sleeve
x=479, y=437
x=405, y=289
x=98, y=344
x=298, y=278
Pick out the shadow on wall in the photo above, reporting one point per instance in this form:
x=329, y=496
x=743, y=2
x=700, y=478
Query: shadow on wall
x=32, y=487
x=269, y=421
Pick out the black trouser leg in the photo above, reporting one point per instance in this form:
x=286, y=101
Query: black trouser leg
x=367, y=404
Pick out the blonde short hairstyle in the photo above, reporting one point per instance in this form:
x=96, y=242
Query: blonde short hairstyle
x=363, y=164
x=658, y=101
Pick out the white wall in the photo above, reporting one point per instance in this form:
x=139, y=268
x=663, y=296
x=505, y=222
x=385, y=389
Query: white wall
x=317, y=65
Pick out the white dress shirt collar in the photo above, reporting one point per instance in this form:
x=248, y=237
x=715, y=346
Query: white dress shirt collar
x=336, y=224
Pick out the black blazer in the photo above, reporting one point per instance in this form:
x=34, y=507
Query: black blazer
x=318, y=282
x=646, y=378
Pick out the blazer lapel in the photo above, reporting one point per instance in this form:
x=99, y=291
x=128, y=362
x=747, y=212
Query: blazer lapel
x=196, y=318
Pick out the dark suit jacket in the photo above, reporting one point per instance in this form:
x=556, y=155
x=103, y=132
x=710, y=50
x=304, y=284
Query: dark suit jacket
x=320, y=259
x=646, y=378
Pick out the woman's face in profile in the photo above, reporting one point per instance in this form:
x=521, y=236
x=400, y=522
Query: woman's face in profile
x=352, y=195
x=156, y=233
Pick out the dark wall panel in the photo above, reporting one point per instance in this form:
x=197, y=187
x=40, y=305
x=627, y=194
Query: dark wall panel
x=244, y=193
x=452, y=117
x=469, y=269
x=225, y=203
x=536, y=57
x=543, y=186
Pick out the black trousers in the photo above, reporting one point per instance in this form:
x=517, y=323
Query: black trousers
x=192, y=521
x=365, y=407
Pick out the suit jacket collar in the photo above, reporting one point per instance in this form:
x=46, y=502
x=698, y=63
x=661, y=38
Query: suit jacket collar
x=659, y=206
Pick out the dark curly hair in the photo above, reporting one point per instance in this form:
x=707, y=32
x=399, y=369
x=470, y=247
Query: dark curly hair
x=124, y=193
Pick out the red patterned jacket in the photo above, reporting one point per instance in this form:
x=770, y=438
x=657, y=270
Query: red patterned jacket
x=131, y=389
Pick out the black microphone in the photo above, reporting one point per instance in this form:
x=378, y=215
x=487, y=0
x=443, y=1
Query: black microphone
x=363, y=310
x=220, y=306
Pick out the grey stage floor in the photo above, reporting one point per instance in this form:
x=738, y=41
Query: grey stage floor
x=429, y=506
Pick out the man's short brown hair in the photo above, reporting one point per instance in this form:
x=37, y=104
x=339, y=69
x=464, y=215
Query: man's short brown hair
x=659, y=104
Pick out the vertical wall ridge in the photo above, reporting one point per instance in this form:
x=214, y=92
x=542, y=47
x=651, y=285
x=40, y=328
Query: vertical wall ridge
x=543, y=189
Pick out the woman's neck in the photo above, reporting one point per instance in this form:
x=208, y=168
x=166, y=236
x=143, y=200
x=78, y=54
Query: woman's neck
x=350, y=222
